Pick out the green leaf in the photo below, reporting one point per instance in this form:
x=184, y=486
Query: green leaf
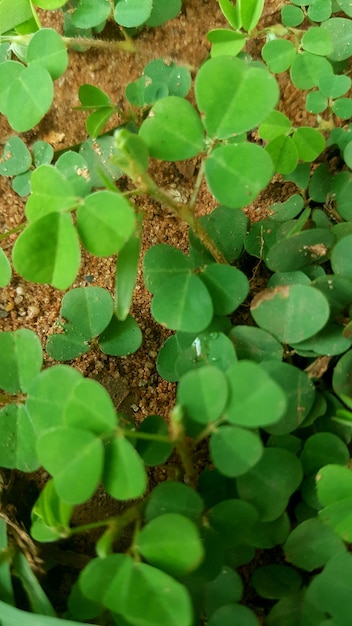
x=87, y=309
x=307, y=69
x=174, y=497
x=226, y=588
x=300, y=250
x=315, y=102
x=15, y=158
x=17, y=439
x=331, y=589
x=267, y=535
x=51, y=192
x=157, y=598
x=172, y=543
x=9, y=72
x=93, y=97
x=221, y=87
x=266, y=488
x=340, y=31
x=309, y=143
x=21, y=360
x=228, y=287
x=90, y=13
x=98, y=154
x=249, y=406
x=299, y=392
x=234, y=450
x=176, y=78
x=232, y=519
x=283, y=211
x=300, y=176
x=5, y=574
x=233, y=614
x=250, y=11
x=75, y=170
x=275, y=581
x=96, y=121
x=121, y=338
x=334, y=85
x=50, y=515
x=284, y=154
x=105, y=221
x=312, y=544
x=37, y=598
x=34, y=86
x=347, y=154
x=173, y=130
x=340, y=258
x=5, y=269
x=126, y=272
x=255, y=344
x=90, y=407
x=322, y=449
x=319, y=10
x=154, y=452
x=75, y=459
x=45, y=396
x=12, y=15
x=345, y=6
x=49, y=4
x=183, y=303
x=237, y=173
x=274, y=125
x=130, y=13
x=162, y=263
x=130, y=153
x=278, y=54
x=211, y=347
x=225, y=42
x=163, y=11
x=231, y=12
x=341, y=382
x=318, y=41
x=15, y=616
x=330, y=341
x=291, y=16
x=203, y=393
x=282, y=311
x=47, y=49
x=67, y=346
x=124, y=475
x=343, y=108
x=47, y=251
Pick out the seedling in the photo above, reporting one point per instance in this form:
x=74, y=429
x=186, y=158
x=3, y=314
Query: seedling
x=263, y=383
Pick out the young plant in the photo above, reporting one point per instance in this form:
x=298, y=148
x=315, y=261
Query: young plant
x=264, y=390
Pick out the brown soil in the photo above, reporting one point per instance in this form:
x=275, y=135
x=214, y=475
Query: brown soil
x=133, y=382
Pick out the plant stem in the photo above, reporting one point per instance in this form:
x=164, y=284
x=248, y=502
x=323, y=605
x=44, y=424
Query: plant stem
x=184, y=212
x=135, y=434
x=100, y=44
x=178, y=436
x=12, y=231
x=119, y=522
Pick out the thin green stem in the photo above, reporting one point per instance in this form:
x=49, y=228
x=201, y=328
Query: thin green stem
x=17, y=229
x=118, y=522
x=197, y=185
x=135, y=434
x=183, y=211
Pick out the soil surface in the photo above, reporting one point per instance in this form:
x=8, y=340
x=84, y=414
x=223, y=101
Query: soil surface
x=133, y=382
